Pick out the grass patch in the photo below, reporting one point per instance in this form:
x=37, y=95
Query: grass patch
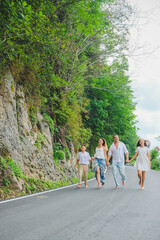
x=6, y=191
x=91, y=174
x=33, y=185
x=5, y=163
x=39, y=141
x=74, y=179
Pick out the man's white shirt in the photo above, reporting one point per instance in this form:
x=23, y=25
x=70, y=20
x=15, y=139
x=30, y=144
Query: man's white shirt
x=117, y=153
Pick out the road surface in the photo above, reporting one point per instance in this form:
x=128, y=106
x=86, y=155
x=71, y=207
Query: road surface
x=83, y=214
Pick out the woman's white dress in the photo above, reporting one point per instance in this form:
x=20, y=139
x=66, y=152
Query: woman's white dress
x=142, y=162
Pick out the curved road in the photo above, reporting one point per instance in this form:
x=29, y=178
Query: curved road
x=83, y=214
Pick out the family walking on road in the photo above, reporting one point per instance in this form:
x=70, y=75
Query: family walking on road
x=118, y=152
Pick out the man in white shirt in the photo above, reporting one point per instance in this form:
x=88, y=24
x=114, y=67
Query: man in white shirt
x=117, y=151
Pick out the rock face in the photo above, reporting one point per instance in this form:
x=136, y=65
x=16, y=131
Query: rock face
x=18, y=136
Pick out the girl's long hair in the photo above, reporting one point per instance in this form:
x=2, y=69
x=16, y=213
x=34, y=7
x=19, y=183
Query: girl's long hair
x=104, y=143
x=138, y=143
x=146, y=143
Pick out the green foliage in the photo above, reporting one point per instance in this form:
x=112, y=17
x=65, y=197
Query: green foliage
x=155, y=160
x=111, y=106
x=53, y=49
x=21, y=138
x=67, y=153
x=39, y=141
x=74, y=179
x=15, y=168
x=6, y=182
x=57, y=146
x=155, y=164
x=154, y=154
x=50, y=122
x=59, y=155
x=33, y=114
x=37, y=185
x=6, y=191
x=5, y=163
x=91, y=174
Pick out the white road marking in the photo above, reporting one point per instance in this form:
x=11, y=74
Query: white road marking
x=40, y=193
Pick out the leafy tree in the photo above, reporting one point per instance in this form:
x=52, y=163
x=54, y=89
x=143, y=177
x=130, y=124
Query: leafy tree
x=69, y=56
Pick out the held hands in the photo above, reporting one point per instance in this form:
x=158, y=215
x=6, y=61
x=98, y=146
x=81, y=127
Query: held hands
x=92, y=158
x=128, y=161
x=107, y=164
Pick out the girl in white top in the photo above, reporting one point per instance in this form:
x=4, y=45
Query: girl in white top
x=100, y=159
x=143, y=162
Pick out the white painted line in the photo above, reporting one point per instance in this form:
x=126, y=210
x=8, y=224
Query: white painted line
x=40, y=193
x=47, y=191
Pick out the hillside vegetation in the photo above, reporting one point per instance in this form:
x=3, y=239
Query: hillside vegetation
x=70, y=58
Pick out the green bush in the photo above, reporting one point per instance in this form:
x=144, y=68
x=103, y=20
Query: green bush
x=15, y=168
x=39, y=141
x=6, y=182
x=154, y=154
x=60, y=155
x=4, y=163
x=74, y=179
x=57, y=146
x=50, y=122
x=33, y=114
x=67, y=152
x=6, y=191
x=155, y=164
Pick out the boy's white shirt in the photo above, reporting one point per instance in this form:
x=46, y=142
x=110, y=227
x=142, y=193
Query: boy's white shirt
x=83, y=157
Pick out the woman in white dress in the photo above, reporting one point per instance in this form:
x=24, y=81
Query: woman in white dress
x=143, y=162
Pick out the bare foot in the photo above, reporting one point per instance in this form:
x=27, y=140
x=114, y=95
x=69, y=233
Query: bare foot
x=86, y=186
x=123, y=183
x=79, y=186
x=140, y=182
x=99, y=185
x=142, y=188
x=116, y=187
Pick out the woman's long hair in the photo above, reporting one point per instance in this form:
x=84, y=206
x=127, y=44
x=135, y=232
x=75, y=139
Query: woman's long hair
x=104, y=143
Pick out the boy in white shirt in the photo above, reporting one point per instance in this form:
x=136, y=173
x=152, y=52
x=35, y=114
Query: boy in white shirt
x=83, y=160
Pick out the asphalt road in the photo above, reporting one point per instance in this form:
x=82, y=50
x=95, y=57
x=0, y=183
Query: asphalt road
x=83, y=214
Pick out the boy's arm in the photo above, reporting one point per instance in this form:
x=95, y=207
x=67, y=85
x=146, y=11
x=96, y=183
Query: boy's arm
x=76, y=163
x=91, y=159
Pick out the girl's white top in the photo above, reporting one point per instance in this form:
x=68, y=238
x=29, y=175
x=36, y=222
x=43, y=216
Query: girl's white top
x=99, y=153
x=142, y=162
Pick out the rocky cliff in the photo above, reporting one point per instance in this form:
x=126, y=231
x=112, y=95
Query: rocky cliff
x=18, y=146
